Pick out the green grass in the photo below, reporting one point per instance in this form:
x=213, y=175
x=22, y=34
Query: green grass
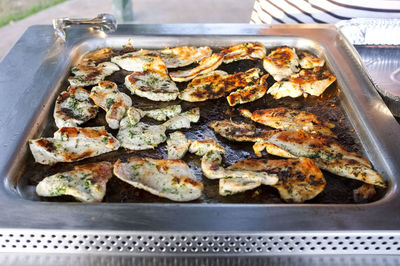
x=15, y=16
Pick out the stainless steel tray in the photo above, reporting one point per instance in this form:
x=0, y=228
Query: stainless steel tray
x=32, y=72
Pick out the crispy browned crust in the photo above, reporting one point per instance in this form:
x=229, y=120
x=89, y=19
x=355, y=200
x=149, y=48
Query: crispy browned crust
x=280, y=56
x=312, y=75
x=102, y=171
x=249, y=50
x=98, y=55
x=250, y=93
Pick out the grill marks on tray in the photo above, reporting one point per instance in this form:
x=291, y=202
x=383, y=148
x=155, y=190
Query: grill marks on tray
x=337, y=190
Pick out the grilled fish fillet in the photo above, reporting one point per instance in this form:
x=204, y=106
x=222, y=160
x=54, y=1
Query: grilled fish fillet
x=170, y=179
x=88, y=74
x=86, y=183
x=289, y=119
x=218, y=84
x=73, y=107
x=140, y=61
x=211, y=165
x=299, y=179
x=98, y=55
x=327, y=154
x=281, y=63
x=177, y=145
x=153, y=85
x=140, y=136
x=244, y=51
x=205, y=66
x=201, y=147
x=162, y=114
x=71, y=144
x=240, y=131
x=309, y=81
x=308, y=60
x=249, y=93
x=183, y=55
x=109, y=98
x=184, y=119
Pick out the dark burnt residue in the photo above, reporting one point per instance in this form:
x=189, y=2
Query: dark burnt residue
x=327, y=106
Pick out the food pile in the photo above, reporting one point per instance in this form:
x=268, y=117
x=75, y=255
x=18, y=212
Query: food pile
x=169, y=78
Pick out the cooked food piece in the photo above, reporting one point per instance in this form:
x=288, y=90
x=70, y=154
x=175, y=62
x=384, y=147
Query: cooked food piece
x=327, y=154
x=153, y=85
x=205, y=66
x=240, y=131
x=184, y=119
x=183, y=55
x=364, y=193
x=73, y=107
x=309, y=81
x=261, y=145
x=308, y=60
x=85, y=183
x=249, y=93
x=281, y=63
x=177, y=145
x=289, y=119
x=170, y=179
x=140, y=136
x=218, y=84
x=98, y=55
x=134, y=115
x=71, y=144
x=163, y=113
x=88, y=74
x=140, y=61
x=242, y=51
x=299, y=179
x=211, y=165
x=201, y=147
x=109, y=98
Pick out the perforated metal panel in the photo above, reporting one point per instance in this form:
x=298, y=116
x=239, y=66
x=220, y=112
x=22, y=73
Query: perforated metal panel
x=193, y=244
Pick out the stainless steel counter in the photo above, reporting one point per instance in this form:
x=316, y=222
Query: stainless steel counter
x=36, y=65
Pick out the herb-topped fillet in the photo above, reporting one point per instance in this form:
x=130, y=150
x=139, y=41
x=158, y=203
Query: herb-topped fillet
x=86, y=183
x=74, y=107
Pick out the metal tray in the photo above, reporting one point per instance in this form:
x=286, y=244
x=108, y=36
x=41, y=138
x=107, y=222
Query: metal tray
x=191, y=228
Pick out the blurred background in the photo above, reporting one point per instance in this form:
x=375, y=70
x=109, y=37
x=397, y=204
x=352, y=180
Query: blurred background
x=17, y=15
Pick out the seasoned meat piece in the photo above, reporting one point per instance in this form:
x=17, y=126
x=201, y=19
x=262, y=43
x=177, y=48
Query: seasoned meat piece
x=88, y=74
x=281, y=63
x=242, y=51
x=327, y=154
x=85, y=183
x=249, y=93
x=73, y=107
x=299, y=179
x=177, y=145
x=201, y=147
x=140, y=136
x=205, y=66
x=218, y=84
x=109, y=98
x=240, y=131
x=309, y=81
x=184, y=119
x=140, y=61
x=153, y=85
x=162, y=114
x=289, y=119
x=308, y=60
x=71, y=144
x=170, y=179
x=97, y=55
x=211, y=165
x=183, y=55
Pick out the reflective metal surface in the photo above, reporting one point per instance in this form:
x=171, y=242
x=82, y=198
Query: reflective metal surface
x=29, y=79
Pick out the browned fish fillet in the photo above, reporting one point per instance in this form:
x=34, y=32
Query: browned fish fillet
x=206, y=65
x=183, y=55
x=249, y=93
x=299, y=179
x=281, y=63
x=289, y=119
x=218, y=84
x=242, y=51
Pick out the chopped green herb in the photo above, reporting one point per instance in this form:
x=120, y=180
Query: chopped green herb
x=109, y=103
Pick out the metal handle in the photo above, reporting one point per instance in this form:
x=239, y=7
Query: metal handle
x=104, y=22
